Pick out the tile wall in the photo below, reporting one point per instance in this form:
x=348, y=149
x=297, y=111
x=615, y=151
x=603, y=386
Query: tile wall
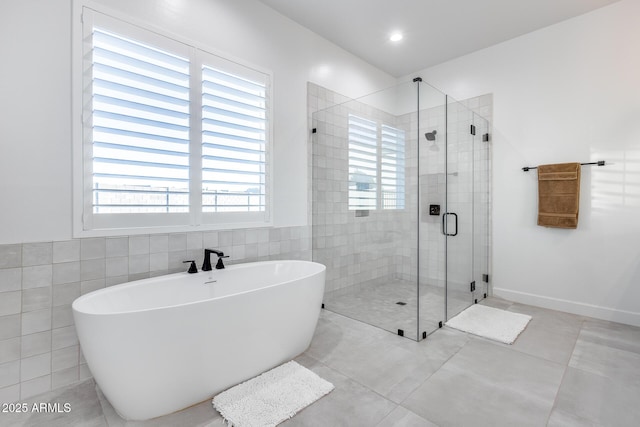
x=39, y=349
x=361, y=251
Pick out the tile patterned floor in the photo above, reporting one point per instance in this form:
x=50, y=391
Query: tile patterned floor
x=377, y=305
x=564, y=370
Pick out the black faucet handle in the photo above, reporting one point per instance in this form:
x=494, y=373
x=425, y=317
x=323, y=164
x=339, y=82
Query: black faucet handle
x=192, y=267
x=220, y=264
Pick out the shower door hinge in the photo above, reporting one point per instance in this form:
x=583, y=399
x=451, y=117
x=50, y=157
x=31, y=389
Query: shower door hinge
x=440, y=324
x=473, y=130
x=314, y=130
x=400, y=332
x=472, y=286
x=485, y=278
x=485, y=137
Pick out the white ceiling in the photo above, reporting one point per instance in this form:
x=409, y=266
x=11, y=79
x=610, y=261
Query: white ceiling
x=435, y=31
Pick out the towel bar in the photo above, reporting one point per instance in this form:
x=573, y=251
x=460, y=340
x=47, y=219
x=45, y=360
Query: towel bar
x=599, y=163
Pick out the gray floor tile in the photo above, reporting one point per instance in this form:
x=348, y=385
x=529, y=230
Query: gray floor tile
x=550, y=334
x=617, y=335
x=586, y=398
x=402, y=417
x=521, y=387
x=618, y=365
x=349, y=404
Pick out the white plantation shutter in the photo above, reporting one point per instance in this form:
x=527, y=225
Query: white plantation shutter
x=234, y=129
x=363, y=163
x=172, y=135
x=376, y=165
x=140, y=127
x=392, y=166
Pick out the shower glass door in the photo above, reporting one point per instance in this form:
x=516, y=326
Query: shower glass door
x=466, y=220
x=431, y=192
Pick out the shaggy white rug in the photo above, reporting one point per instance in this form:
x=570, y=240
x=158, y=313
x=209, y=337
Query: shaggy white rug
x=489, y=322
x=272, y=397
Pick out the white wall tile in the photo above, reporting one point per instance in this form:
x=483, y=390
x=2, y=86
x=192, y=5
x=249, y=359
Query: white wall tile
x=37, y=276
x=10, y=326
x=62, y=316
x=66, y=272
x=10, y=279
x=10, y=394
x=138, y=245
x=117, y=247
x=10, y=303
x=93, y=248
x=66, y=251
x=9, y=373
x=10, y=256
x=36, y=321
x=35, y=344
x=63, y=337
x=36, y=299
x=35, y=366
x=64, y=358
x=35, y=387
x=37, y=253
x=158, y=243
x=65, y=294
x=10, y=350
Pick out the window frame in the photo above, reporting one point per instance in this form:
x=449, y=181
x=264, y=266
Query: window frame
x=87, y=224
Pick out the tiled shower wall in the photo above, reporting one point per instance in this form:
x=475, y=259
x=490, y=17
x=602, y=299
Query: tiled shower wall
x=356, y=250
x=380, y=247
x=39, y=349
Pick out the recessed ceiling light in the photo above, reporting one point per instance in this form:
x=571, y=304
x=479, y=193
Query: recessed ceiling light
x=395, y=37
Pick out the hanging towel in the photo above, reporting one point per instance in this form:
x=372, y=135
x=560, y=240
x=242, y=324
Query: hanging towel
x=558, y=195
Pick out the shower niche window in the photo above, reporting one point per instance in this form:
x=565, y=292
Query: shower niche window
x=400, y=208
x=376, y=165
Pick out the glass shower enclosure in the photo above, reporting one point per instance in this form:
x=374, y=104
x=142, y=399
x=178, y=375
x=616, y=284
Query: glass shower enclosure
x=400, y=207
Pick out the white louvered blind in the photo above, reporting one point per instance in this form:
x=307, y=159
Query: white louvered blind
x=376, y=156
x=234, y=126
x=140, y=127
x=171, y=135
x=363, y=163
x=392, y=167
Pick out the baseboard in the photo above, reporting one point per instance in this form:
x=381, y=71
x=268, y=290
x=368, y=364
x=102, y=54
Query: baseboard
x=604, y=313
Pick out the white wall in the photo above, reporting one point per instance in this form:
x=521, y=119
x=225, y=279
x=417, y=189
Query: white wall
x=566, y=93
x=35, y=97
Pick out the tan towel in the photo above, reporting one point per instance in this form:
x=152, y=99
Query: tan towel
x=558, y=195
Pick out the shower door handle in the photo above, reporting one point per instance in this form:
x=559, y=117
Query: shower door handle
x=444, y=224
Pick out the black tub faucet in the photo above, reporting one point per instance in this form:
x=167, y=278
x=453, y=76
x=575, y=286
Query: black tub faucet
x=206, y=266
x=192, y=267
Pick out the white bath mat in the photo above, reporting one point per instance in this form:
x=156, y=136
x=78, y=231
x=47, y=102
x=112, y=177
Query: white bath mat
x=489, y=322
x=272, y=397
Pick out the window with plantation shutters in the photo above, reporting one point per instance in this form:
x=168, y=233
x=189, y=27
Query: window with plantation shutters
x=140, y=127
x=172, y=135
x=376, y=165
x=392, y=167
x=233, y=142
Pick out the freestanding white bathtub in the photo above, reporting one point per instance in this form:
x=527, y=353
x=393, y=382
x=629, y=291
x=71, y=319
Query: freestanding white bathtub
x=155, y=346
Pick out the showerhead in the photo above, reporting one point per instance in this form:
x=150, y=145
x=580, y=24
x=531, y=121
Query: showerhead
x=431, y=136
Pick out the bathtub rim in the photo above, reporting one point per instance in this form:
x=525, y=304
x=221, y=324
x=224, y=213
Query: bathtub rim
x=118, y=288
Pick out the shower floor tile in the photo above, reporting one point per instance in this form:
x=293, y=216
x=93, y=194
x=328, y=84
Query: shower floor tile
x=378, y=305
